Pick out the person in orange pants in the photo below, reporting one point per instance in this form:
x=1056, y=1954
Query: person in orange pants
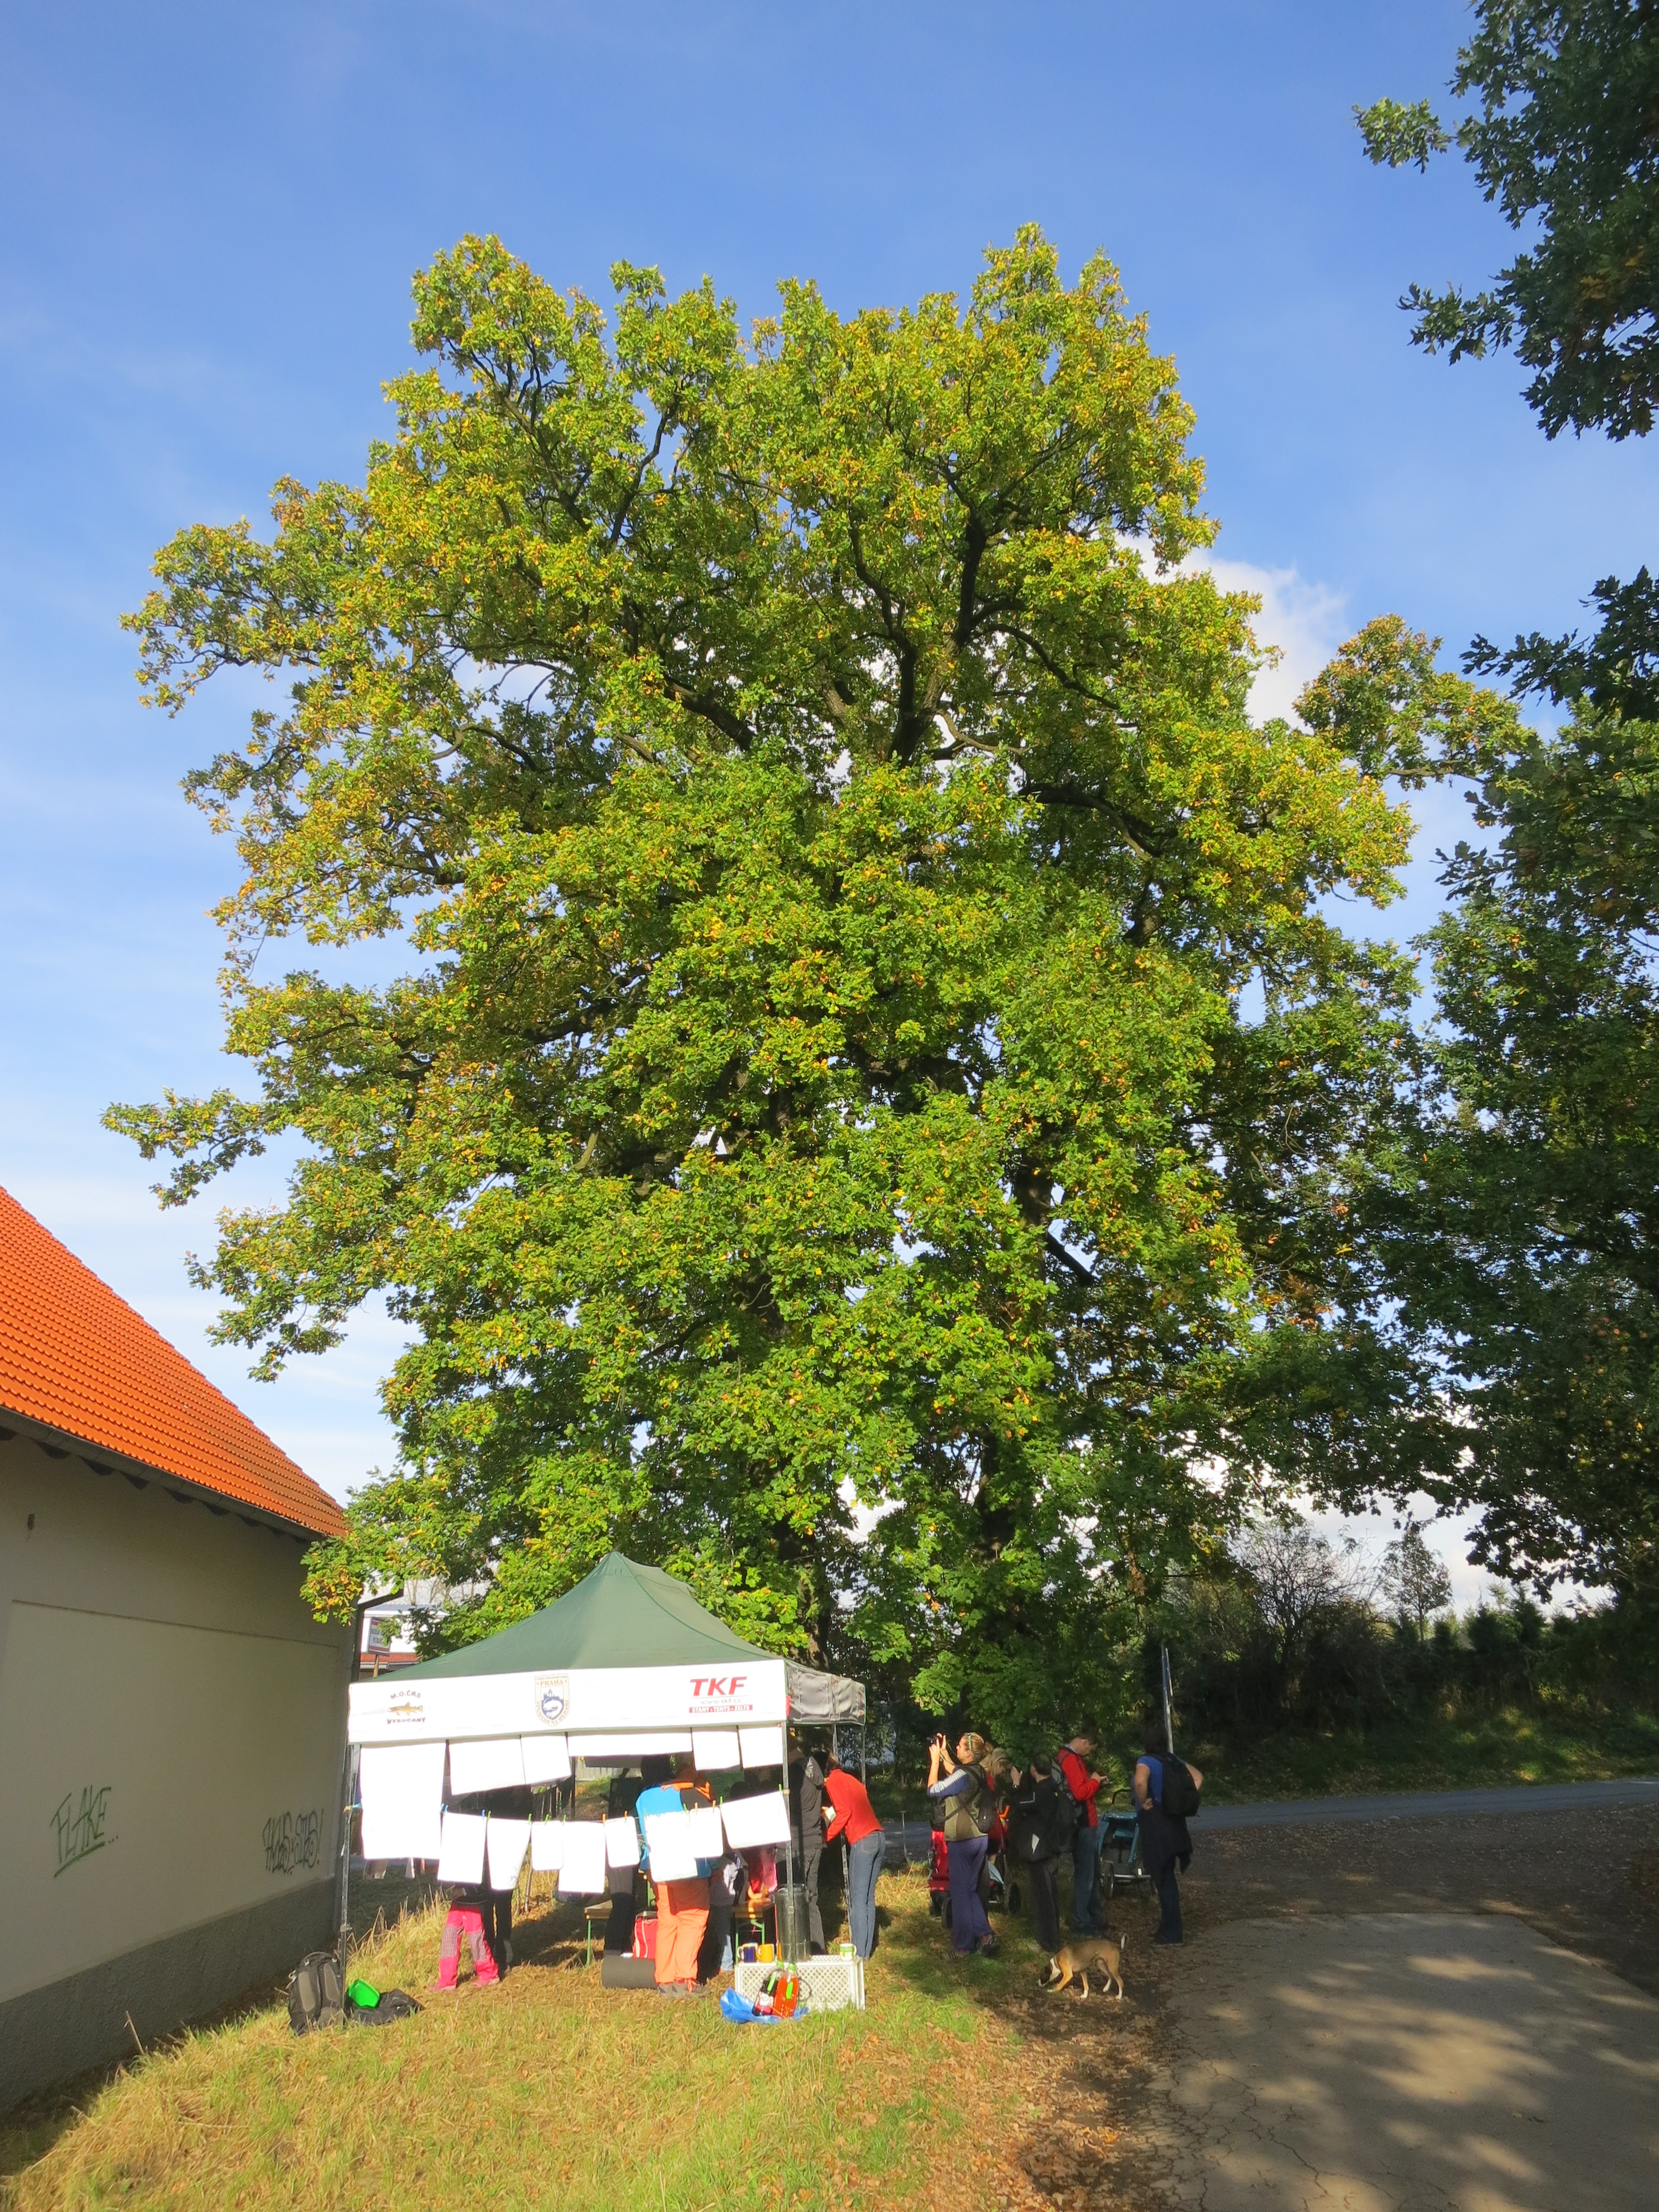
x=682, y=1923
x=682, y=1906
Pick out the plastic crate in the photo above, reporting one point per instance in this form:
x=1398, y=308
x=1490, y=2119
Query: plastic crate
x=827, y=1984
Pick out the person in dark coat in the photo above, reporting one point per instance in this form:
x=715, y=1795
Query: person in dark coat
x=806, y=1803
x=1164, y=1844
x=1038, y=1832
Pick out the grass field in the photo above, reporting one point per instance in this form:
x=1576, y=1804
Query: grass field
x=548, y=2090
x=1470, y=1751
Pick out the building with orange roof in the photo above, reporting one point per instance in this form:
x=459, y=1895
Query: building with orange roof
x=172, y=1719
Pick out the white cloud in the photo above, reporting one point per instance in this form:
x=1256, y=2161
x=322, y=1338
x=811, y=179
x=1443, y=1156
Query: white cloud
x=1305, y=621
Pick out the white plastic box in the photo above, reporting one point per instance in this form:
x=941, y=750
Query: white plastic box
x=827, y=1984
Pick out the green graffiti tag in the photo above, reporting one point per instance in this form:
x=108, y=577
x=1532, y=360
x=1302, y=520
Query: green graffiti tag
x=79, y=1832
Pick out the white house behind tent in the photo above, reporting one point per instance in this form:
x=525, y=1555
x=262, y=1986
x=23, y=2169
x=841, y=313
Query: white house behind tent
x=172, y=1719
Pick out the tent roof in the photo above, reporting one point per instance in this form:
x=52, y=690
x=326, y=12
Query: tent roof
x=626, y=1615
x=620, y=1615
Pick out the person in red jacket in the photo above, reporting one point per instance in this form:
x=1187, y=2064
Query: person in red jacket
x=1086, y=1842
x=853, y=1817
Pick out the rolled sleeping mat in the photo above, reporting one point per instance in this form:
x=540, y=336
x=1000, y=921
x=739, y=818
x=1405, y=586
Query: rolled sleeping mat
x=618, y=1971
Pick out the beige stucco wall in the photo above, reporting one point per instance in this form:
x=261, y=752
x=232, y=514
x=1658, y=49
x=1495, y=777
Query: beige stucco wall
x=172, y=1720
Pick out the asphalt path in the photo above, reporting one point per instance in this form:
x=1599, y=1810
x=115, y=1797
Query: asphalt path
x=1406, y=2063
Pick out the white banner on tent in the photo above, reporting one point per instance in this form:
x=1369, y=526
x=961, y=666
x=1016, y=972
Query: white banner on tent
x=492, y=1762
x=508, y=1841
x=462, y=1859
x=546, y=1758
x=752, y=1822
x=402, y=1793
x=581, y=1864
x=716, y=1750
x=744, y=1694
x=621, y=1843
x=546, y=1845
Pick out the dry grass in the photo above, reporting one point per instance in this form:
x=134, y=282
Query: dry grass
x=548, y=2090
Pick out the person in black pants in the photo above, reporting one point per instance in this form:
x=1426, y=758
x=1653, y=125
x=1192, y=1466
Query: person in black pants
x=1039, y=1830
x=729, y=1876
x=623, y=1881
x=806, y=1795
x=1164, y=1843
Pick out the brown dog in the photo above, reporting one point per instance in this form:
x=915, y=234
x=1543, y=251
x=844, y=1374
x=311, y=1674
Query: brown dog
x=1103, y=1954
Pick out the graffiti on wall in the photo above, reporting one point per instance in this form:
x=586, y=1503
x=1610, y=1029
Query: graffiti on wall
x=293, y=1840
x=78, y=1826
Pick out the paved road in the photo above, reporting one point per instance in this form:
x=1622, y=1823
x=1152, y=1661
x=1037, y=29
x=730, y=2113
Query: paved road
x=1405, y=2062
x=914, y=1836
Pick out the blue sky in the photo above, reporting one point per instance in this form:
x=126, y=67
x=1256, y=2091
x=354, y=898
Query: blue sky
x=212, y=218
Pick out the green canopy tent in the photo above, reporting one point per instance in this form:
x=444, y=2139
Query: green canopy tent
x=624, y=1666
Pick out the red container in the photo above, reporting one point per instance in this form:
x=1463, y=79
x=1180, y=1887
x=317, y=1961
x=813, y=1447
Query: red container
x=645, y=1936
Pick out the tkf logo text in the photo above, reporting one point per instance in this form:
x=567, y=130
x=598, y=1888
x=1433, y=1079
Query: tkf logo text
x=717, y=1685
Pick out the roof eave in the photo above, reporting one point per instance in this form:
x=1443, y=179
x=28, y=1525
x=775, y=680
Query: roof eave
x=62, y=1443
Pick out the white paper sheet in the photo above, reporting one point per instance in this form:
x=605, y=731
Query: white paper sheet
x=546, y=1758
x=706, y=1834
x=581, y=1870
x=508, y=1841
x=672, y=1857
x=760, y=1746
x=463, y=1856
x=752, y=1822
x=490, y=1762
x=621, y=1843
x=716, y=1751
x=546, y=1845
x=402, y=1793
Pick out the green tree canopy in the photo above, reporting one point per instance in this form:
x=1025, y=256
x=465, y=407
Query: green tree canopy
x=1561, y=134
x=1522, y=1234
x=869, y=1116
x=1526, y=1253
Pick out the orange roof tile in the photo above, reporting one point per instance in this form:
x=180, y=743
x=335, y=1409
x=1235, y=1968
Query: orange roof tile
x=77, y=1358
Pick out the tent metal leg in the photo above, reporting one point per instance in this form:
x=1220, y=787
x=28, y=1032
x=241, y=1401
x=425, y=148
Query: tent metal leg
x=348, y=1791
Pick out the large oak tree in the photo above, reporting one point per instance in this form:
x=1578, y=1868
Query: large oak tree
x=871, y=1112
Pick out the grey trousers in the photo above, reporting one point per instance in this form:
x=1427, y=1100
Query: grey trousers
x=811, y=1856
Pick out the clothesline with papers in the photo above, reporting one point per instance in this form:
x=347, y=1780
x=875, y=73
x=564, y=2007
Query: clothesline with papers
x=404, y=1817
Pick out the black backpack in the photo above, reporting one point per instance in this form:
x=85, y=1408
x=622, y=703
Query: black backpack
x=316, y=1995
x=1179, y=1790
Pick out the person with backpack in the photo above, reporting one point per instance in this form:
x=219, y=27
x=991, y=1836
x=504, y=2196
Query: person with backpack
x=1166, y=1790
x=1082, y=1787
x=1039, y=1831
x=959, y=1784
